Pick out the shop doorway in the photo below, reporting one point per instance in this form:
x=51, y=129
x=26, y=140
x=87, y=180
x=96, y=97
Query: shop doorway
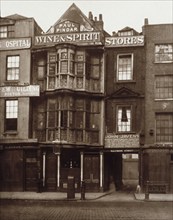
x=113, y=171
x=91, y=172
x=70, y=166
x=130, y=171
x=51, y=172
x=11, y=170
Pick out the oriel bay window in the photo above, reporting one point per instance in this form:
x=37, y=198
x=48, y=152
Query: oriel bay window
x=124, y=119
x=74, y=69
x=125, y=67
x=11, y=115
x=73, y=120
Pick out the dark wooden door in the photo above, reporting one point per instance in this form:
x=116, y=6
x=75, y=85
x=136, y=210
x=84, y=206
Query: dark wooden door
x=91, y=171
x=11, y=170
x=51, y=172
x=31, y=170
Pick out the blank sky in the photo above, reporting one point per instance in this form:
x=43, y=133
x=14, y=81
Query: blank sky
x=116, y=14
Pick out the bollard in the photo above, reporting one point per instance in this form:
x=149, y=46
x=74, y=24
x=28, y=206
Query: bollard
x=147, y=191
x=82, y=190
x=39, y=185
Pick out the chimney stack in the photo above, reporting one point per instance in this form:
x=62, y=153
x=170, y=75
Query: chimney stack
x=146, y=21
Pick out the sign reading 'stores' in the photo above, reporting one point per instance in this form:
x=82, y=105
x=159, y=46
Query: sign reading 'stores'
x=129, y=41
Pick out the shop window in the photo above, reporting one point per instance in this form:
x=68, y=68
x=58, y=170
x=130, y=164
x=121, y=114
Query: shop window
x=164, y=87
x=124, y=119
x=13, y=67
x=11, y=116
x=164, y=128
x=125, y=67
x=7, y=31
x=163, y=53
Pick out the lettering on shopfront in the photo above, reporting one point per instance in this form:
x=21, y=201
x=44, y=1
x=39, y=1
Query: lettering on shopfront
x=67, y=26
x=13, y=44
x=122, y=141
x=18, y=91
x=124, y=41
x=83, y=38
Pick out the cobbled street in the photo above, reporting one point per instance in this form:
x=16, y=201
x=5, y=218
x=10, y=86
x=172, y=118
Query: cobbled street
x=12, y=210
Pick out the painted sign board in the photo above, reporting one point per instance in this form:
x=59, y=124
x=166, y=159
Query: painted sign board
x=19, y=91
x=129, y=41
x=122, y=141
x=15, y=44
x=83, y=38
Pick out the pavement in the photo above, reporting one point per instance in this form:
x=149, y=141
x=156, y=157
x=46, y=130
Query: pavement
x=111, y=196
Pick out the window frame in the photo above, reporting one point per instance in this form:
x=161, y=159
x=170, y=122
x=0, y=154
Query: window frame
x=169, y=120
x=126, y=73
x=14, y=111
x=117, y=119
x=163, y=90
x=8, y=69
x=163, y=53
x=9, y=32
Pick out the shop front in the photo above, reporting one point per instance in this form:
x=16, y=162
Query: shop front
x=121, y=162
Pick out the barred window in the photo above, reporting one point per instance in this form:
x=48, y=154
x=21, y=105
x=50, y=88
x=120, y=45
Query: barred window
x=163, y=53
x=13, y=67
x=124, y=119
x=164, y=87
x=164, y=128
x=11, y=109
x=125, y=67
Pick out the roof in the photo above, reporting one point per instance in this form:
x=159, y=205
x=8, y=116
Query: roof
x=15, y=17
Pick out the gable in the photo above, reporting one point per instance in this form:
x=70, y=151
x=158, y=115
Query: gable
x=73, y=20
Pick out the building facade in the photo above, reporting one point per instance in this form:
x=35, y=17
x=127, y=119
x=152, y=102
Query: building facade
x=124, y=101
x=157, y=152
x=16, y=92
x=68, y=64
x=78, y=102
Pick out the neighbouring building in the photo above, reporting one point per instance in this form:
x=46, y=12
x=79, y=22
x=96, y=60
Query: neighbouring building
x=157, y=163
x=124, y=111
x=16, y=91
x=78, y=102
